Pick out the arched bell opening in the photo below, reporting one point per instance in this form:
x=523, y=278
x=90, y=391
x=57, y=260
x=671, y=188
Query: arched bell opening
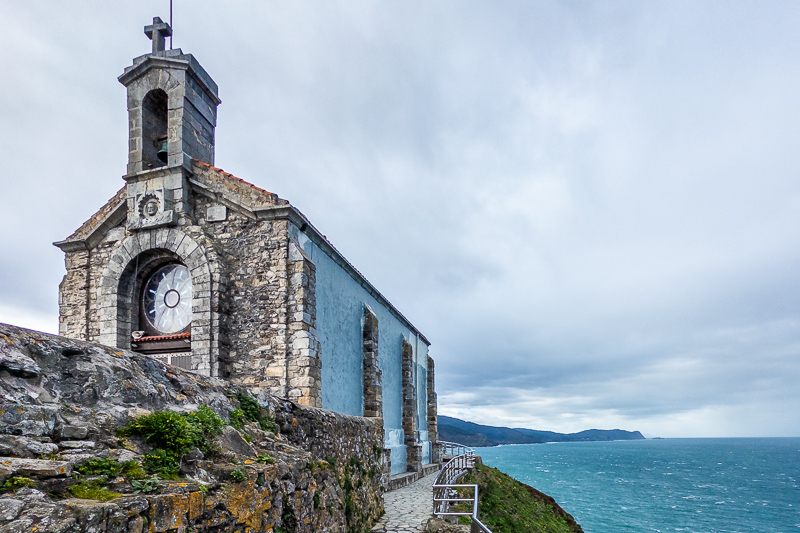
x=155, y=115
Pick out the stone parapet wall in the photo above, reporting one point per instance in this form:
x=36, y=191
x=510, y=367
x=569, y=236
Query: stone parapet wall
x=65, y=398
x=328, y=434
x=352, y=445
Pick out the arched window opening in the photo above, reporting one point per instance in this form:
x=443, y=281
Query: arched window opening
x=154, y=129
x=165, y=314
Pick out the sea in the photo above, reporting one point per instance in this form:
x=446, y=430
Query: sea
x=664, y=485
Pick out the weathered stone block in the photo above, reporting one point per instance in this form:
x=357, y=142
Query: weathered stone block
x=36, y=467
x=13, y=445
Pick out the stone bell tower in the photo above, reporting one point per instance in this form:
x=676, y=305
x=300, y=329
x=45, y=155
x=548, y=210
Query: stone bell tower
x=172, y=113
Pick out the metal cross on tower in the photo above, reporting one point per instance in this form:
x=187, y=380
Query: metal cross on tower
x=157, y=31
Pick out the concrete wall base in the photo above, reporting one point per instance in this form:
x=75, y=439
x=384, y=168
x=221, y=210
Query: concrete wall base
x=407, y=478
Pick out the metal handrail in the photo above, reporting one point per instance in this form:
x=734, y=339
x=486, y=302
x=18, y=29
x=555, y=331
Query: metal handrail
x=444, y=488
x=453, y=448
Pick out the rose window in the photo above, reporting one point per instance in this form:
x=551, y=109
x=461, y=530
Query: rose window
x=167, y=299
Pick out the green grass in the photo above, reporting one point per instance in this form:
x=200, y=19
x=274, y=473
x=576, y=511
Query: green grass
x=508, y=506
x=111, y=468
x=16, y=482
x=238, y=419
x=93, y=490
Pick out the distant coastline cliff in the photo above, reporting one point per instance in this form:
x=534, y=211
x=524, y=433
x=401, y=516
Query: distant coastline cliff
x=471, y=434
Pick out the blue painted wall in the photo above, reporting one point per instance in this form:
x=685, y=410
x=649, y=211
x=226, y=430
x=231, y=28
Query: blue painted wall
x=340, y=311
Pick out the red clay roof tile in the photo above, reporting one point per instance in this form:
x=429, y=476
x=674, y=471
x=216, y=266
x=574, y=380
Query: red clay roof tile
x=176, y=336
x=231, y=176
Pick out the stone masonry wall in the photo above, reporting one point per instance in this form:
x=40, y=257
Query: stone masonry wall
x=304, y=369
x=373, y=388
x=433, y=420
x=413, y=450
x=352, y=445
x=65, y=398
x=254, y=314
x=258, y=303
x=73, y=296
x=76, y=290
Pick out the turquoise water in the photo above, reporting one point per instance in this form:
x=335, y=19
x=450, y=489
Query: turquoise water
x=665, y=485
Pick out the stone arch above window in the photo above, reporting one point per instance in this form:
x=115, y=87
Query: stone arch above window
x=138, y=256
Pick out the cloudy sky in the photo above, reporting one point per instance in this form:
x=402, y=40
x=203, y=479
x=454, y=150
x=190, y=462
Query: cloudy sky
x=592, y=209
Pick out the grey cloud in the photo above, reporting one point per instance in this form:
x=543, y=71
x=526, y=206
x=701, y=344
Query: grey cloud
x=590, y=209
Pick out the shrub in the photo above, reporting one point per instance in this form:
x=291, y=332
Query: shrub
x=146, y=486
x=238, y=419
x=176, y=433
x=110, y=468
x=238, y=474
x=264, y=458
x=16, y=482
x=250, y=406
x=207, y=424
x=253, y=412
x=132, y=470
x=163, y=463
x=165, y=430
x=98, y=467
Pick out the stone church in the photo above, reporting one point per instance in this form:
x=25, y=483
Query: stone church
x=205, y=271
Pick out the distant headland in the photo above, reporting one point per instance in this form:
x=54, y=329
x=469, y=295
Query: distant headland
x=471, y=434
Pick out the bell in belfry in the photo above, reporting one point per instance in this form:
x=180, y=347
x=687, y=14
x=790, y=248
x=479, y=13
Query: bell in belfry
x=162, y=152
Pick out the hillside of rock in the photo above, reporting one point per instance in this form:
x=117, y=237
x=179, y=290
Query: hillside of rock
x=99, y=439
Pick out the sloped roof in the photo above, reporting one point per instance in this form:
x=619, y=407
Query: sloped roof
x=210, y=179
x=95, y=220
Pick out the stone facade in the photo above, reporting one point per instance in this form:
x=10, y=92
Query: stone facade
x=254, y=263
x=413, y=449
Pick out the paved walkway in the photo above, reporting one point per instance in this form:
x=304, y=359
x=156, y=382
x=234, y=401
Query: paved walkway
x=408, y=509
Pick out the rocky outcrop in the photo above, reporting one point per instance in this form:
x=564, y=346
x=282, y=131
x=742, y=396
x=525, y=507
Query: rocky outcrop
x=63, y=401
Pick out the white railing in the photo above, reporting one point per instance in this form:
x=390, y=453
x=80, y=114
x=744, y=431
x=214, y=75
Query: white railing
x=453, y=449
x=445, y=490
